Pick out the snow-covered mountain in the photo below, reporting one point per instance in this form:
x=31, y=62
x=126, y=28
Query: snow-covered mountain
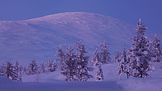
x=39, y=38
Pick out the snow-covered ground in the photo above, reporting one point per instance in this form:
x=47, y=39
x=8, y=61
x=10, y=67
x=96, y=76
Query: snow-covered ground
x=60, y=86
x=112, y=82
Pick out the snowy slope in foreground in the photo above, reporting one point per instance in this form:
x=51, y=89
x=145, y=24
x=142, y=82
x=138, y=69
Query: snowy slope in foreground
x=112, y=82
x=122, y=85
x=61, y=86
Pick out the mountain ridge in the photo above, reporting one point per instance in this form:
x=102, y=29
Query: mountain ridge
x=39, y=38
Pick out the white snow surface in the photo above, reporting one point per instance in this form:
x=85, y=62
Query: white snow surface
x=112, y=82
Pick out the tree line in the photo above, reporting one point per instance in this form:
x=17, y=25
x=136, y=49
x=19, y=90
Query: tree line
x=15, y=71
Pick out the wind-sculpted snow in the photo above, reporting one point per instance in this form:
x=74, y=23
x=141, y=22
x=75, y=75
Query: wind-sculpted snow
x=40, y=37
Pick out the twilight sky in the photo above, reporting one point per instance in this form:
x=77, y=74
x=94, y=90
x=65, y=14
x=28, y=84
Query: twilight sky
x=128, y=10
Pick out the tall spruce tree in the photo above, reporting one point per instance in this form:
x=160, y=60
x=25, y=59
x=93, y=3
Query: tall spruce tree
x=139, y=54
x=135, y=61
x=74, y=63
x=104, y=53
x=69, y=65
x=82, y=63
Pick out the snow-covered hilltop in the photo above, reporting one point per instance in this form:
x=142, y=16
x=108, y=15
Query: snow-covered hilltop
x=39, y=38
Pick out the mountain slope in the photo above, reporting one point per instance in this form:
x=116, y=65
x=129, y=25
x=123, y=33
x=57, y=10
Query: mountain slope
x=39, y=38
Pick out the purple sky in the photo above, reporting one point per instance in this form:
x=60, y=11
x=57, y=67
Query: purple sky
x=127, y=10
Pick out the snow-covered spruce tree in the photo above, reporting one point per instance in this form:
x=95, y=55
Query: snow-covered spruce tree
x=99, y=73
x=155, y=49
x=96, y=58
x=139, y=54
x=97, y=63
x=18, y=70
x=11, y=72
x=104, y=53
x=69, y=66
x=82, y=63
x=123, y=63
x=32, y=68
x=74, y=63
x=135, y=61
x=51, y=66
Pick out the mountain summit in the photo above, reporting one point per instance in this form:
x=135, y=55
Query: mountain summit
x=39, y=38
